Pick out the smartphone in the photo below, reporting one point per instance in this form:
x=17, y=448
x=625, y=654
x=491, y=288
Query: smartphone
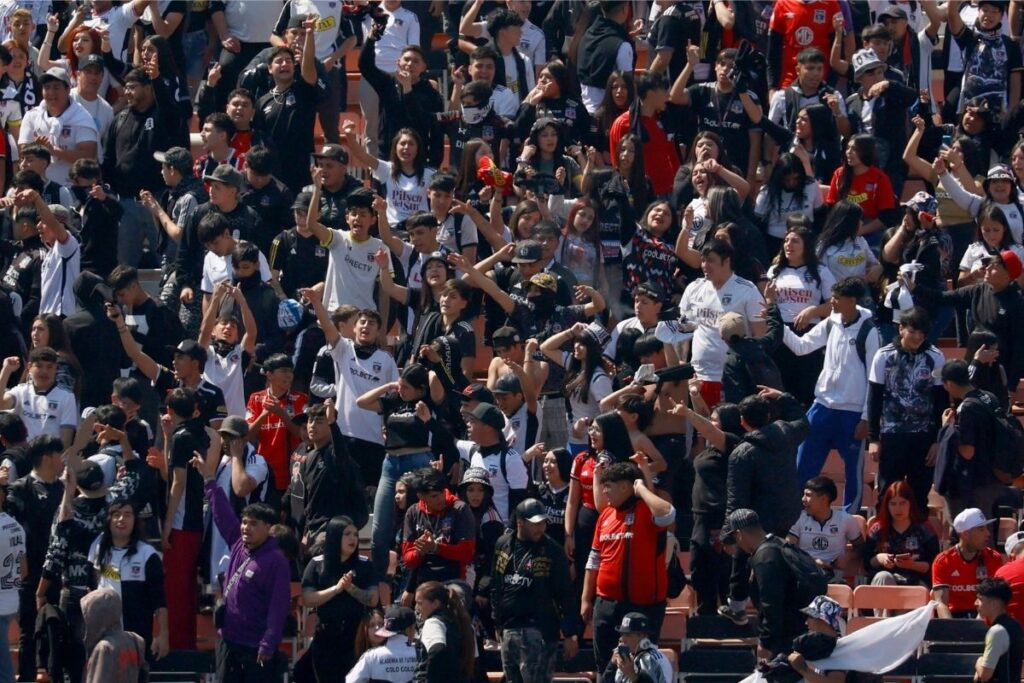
x=623, y=651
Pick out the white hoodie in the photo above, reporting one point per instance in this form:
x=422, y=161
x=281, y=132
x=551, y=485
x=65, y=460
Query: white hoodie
x=843, y=382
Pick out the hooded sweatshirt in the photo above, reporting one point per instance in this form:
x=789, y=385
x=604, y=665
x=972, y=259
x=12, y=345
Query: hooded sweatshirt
x=115, y=655
x=454, y=530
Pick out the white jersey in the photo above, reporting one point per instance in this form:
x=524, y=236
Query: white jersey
x=216, y=269
x=252, y=21
x=406, y=195
x=354, y=376
x=827, y=540
x=44, y=413
x=351, y=271
x=118, y=21
x=62, y=263
x=515, y=469
x=403, y=28
x=797, y=289
x=394, y=661
x=12, y=550
x=226, y=372
x=703, y=305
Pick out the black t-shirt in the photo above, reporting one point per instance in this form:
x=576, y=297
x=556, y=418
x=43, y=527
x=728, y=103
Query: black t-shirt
x=185, y=440
x=977, y=428
x=711, y=468
x=492, y=130
x=723, y=113
x=177, y=38
x=343, y=608
x=24, y=270
x=431, y=326
x=333, y=205
x=128, y=163
x=33, y=503
x=287, y=121
x=274, y=205
x=301, y=260
x=212, y=405
x=403, y=428
x=673, y=27
x=156, y=328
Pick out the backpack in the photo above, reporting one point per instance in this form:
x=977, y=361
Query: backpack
x=810, y=579
x=1008, y=450
x=862, y=338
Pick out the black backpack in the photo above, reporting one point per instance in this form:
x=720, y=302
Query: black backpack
x=862, y=338
x=810, y=579
x=1008, y=450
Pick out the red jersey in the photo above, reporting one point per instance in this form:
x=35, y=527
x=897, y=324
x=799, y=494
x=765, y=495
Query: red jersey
x=629, y=555
x=276, y=444
x=872, y=190
x=951, y=571
x=802, y=24
x=661, y=159
x=583, y=472
x=1013, y=574
x=242, y=141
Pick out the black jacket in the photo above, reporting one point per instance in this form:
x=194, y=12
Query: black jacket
x=889, y=118
x=762, y=469
x=94, y=341
x=774, y=591
x=747, y=354
x=598, y=49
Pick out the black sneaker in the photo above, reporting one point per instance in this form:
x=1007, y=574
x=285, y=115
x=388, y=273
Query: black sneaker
x=739, y=618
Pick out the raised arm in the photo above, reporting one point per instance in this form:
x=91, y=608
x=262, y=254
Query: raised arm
x=678, y=94
x=953, y=21
x=248, y=320
x=910, y=157
x=52, y=24
x=387, y=282
x=468, y=27
x=146, y=365
x=552, y=346
x=360, y=157
x=371, y=399
x=315, y=298
x=308, y=70
x=397, y=246
x=476, y=278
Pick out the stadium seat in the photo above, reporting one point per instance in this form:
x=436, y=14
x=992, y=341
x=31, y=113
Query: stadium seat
x=715, y=630
x=888, y=598
x=955, y=636
x=716, y=665
x=841, y=593
x=857, y=623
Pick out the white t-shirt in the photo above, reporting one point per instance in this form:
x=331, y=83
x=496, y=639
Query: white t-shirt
x=406, y=195
x=218, y=268
x=12, y=550
x=351, y=271
x=44, y=413
x=73, y=127
x=789, y=204
x=505, y=102
x=119, y=20
x=797, y=289
x=826, y=541
x=600, y=386
x=394, y=662
x=403, y=29
x=354, y=377
x=612, y=347
x=518, y=477
x=328, y=25
x=226, y=373
x=252, y=21
x=512, y=78
x=62, y=263
x=468, y=235
x=255, y=467
x=852, y=258
x=102, y=115
x=532, y=44
x=120, y=564
x=977, y=251
x=703, y=304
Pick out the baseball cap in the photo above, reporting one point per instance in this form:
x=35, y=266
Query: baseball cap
x=826, y=609
x=999, y=172
x=336, y=152
x=227, y=174
x=651, y=290
x=234, y=425
x=90, y=479
x=303, y=201
x=90, y=287
x=489, y=415
x=922, y=201
x=178, y=158
x=90, y=60
x=545, y=281
x=528, y=251
x=892, y=12
x=289, y=314
x=676, y=373
x=396, y=620
x=732, y=324
x=507, y=384
x=296, y=20
x=634, y=622
x=971, y=518
x=55, y=73
x=506, y=336
x=192, y=349
x=1012, y=541
x=532, y=510
x=742, y=518
x=955, y=371
x=597, y=333
x=476, y=392
x=865, y=60
x=1010, y=261
x=107, y=463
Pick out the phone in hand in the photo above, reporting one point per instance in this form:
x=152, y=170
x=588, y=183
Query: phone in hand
x=623, y=651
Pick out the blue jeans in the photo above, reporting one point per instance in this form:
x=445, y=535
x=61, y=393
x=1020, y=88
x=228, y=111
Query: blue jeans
x=6, y=664
x=137, y=227
x=383, y=529
x=832, y=429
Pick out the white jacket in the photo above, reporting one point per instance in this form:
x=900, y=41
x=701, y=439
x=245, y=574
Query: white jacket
x=843, y=382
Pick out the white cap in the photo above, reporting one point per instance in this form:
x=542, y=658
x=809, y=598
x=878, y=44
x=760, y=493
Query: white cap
x=1015, y=539
x=971, y=518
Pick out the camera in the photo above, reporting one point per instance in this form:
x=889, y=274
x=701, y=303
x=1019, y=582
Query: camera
x=748, y=67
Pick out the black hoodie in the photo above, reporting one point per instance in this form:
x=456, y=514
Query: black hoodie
x=94, y=340
x=598, y=50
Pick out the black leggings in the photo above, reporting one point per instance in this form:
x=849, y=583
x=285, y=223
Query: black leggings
x=333, y=651
x=709, y=565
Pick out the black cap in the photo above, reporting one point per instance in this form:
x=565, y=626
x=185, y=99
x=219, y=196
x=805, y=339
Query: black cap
x=508, y=384
x=192, y=349
x=634, y=622
x=227, y=174
x=89, y=479
x=396, y=620
x=296, y=20
x=651, y=290
x=303, y=201
x=528, y=251
x=532, y=510
x=90, y=60
x=490, y=415
x=336, y=152
x=955, y=371
x=476, y=392
x=178, y=158
x=892, y=12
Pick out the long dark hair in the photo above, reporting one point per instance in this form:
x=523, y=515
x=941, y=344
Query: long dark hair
x=825, y=135
x=637, y=176
x=723, y=153
x=841, y=225
x=451, y=604
x=559, y=73
x=419, y=162
x=616, y=436
x=579, y=374
x=466, y=179
x=607, y=111
x=335, y=530
x=864, y=145
x=164, y=56
x=788, y=164
x=810, y=256
x=991, y=212
x=107, y=538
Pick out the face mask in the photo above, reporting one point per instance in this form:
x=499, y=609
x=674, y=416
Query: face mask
x=81, y=194
x=474, y=115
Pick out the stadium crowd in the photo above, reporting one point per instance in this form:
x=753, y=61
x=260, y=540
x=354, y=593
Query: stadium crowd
x=456, y=323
